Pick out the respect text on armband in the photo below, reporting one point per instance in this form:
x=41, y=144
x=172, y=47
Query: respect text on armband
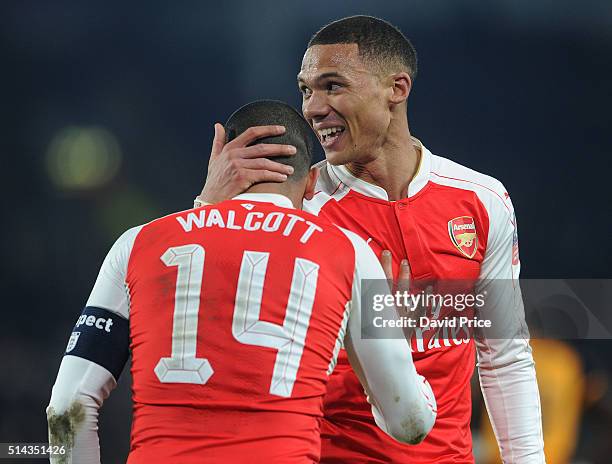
x=101, y=336
x=101, y=323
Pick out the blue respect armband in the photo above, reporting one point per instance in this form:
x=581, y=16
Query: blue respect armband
x=103, y=337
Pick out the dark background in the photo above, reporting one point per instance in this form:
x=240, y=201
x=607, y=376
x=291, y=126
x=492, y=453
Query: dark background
x=107, y=114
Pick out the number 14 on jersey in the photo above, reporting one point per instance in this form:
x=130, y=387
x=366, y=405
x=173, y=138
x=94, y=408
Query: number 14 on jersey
x=288, y=339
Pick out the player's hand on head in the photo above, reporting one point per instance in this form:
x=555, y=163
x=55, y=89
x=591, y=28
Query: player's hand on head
x=235, y=166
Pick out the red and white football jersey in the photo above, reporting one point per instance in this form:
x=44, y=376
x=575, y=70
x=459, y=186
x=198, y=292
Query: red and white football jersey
x=455, y=224
x=237, y=312
x=234, y=308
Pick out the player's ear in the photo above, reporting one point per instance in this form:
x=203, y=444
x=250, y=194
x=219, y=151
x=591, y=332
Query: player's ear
x=311, y=183
x=401, y=84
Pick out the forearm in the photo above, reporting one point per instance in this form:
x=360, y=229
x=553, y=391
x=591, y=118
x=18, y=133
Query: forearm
x=80, y=388
x=403, y=403
x=76, y=430
x=407, y=405
x=510, y=391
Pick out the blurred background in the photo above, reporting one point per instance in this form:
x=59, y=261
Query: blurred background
x=107, y=115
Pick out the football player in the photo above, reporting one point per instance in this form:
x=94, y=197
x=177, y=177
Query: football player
x=235, y=314
x=448, y=221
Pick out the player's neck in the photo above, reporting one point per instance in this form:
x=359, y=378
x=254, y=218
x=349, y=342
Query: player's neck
x=279, y=189
x=394, y=165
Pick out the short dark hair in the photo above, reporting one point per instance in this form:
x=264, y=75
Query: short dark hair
x=379, y=42
x=273, y=112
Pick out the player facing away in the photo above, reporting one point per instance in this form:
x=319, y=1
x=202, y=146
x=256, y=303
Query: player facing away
x=234, y=314
x=448, y=221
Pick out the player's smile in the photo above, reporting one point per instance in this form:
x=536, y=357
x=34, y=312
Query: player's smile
x=344, y=102
x=330, y=134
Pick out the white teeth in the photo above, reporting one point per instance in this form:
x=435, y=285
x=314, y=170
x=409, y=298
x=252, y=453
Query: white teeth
x=329, y=130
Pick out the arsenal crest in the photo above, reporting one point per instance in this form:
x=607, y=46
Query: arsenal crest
x=462, y=231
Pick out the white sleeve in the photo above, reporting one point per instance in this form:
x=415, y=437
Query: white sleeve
x=81, y=385
x=505, y=363
x=72, y=415
x=403, y=403
x=109, y=291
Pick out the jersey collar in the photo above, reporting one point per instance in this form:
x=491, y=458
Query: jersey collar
x=279, y=200
x=416, y=185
